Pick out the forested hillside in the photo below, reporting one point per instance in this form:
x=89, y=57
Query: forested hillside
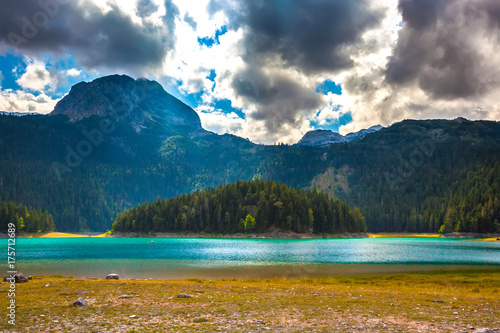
x=256, y=206
x=422, y=176
x=26, y=219
x=412, y=176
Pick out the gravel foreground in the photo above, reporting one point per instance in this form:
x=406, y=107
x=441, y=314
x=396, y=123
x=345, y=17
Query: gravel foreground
x=411, y=302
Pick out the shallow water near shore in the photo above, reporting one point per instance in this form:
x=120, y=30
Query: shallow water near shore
x=167, y=258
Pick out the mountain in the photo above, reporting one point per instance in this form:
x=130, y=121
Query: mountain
x=86, y=165
x=323, y=138
x=141, y=103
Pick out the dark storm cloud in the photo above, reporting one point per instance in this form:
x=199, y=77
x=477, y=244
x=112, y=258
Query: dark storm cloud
x=96, y=39
x=311, y=36
x=280, y=98
x=438, y=46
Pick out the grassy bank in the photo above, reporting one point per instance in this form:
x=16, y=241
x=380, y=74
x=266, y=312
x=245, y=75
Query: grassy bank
x=404, y=235
x=57, y=235
x=432, y=302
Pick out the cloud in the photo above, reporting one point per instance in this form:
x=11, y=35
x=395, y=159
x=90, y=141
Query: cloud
x=447, y=48
x=19, y=101
x=97, y=38
x=439, y=61
x=313, y=35
x=393, y=59
x=220, y=122
x=278, y=98
x=1, y=78
x=73, y=72
x=286, y=49
x=189, y=20
x=36, y=77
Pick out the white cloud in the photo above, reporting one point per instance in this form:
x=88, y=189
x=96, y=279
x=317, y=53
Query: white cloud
x=19, y=101
x=73, y=72
x=37, y=78
x=220, y=122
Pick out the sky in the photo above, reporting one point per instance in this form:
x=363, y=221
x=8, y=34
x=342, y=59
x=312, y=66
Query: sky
x=267, y=70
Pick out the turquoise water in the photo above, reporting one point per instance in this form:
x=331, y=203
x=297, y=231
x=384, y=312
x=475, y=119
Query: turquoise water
x=180, y=258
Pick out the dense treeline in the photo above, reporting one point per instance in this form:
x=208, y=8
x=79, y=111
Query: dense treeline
x=453, y=182
x=257, y=206
x=26, y=219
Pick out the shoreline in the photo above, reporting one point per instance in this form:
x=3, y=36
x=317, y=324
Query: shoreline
x=159, y=269
x=269, y=235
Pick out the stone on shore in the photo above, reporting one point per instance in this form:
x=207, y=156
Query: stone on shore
x=112, y=277
x=80, y=302
x=184, y=295
x=18, y=278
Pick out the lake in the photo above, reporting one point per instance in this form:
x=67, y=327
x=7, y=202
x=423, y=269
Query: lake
x=173, y=258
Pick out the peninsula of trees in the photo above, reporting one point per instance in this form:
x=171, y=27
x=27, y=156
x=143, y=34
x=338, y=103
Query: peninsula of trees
x=253, y=206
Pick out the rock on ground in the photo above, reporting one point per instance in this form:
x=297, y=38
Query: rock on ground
x=80, y=302
x=18, y=278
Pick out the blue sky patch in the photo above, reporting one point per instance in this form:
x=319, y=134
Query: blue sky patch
x=226, y=106
x=212, y=75
x=334, y=124
x=7, y=64
x=214, y=40
x=329, y=87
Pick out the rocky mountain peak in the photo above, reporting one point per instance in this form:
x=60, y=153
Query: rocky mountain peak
x=141, y=102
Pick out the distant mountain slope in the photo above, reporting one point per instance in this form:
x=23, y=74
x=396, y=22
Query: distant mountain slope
x=87, y=164
x=323, y=138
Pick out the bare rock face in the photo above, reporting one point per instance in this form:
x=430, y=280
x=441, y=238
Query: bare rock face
x=142, y=103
